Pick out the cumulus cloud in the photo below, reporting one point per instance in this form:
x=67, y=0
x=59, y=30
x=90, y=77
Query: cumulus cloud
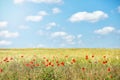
x=42, y=13
x=51, y=25
x=69, y=39
x=59, y=34
x=105, y=30
x=47, y=1
x=3, y=24
x=56, y=10
x=36, y=18
x=87, y=16
x=39, y=1
x=5, y=43
x=8, y=34
x=18, y=1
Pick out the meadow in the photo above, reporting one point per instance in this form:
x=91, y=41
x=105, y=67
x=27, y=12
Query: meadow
x=60, y=64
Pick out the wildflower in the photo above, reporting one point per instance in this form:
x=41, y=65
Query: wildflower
x=108, y=69
x=6, y=59
x=56, y=61
x=104, y=62
x=44, y=57
x=104, y=56
x=46, y=60
x=83, y=69
x=37, y=65
x=46, y=65
x=31, y=62
x=62, y=63
x=58, y=64
x=52, y=65
x=1, y=70
x=66, y=56
x=86, y=57
x=27, y=65
x=111, y=76
x=22, y=56
x=33, y=59
x=11, y=58
x=92, y=56
x=49, y=63
x=73, y=60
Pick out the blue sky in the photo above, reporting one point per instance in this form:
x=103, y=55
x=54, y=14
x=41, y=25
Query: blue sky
x=60, y=23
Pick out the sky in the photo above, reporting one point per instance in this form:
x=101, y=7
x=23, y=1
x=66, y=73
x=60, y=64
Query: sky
x=60, y=23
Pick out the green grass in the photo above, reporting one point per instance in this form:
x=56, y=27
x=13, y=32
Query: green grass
x=59, y=64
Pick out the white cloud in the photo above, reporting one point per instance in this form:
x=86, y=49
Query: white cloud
x=36, y=18
x=42, y=13
x=5, y=43
x=119, y=9
x=3, y=24
x=8, y=34
x=51, y=25
x=105, y=30
x=56, y=10
x=48, y=1
x=39, y=1
x=87, y=16
x=67, y=38
x=18, y=1
x=40, y=46
x=59, y=34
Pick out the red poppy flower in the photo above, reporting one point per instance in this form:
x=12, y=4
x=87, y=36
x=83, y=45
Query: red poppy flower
x=58, y=64
x=49, y=63
x=62, y=63
x=108, y=69
x=92, y=56
x=86, y=57
x=37, y=65
x=31, y=62
x=22, y=56
x=1, y=70
x=83, y=69
x=27, y=65
x=73, y=60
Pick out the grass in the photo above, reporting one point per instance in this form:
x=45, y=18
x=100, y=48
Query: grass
x=59, y=64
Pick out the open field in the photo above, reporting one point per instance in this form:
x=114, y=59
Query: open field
x=60, y=64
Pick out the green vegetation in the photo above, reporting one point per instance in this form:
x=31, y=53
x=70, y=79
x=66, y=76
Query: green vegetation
x=60, y=64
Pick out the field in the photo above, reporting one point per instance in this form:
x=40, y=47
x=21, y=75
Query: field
x=60, y=64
